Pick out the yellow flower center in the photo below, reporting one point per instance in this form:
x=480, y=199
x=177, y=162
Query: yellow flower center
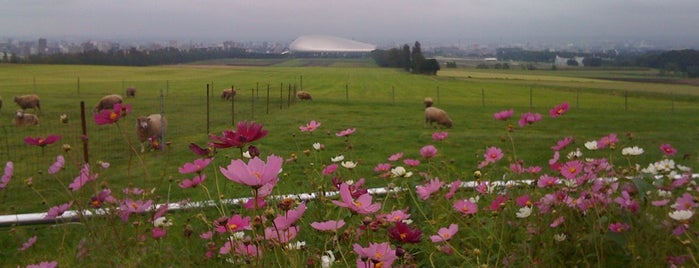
x=572, y=169
x=357, y=203
x=403, y=236
x=446, y=236
x=232, y=226
x=113, y=116
x=257, y=175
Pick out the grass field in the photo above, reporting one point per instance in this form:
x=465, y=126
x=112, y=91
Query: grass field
x=384, y=105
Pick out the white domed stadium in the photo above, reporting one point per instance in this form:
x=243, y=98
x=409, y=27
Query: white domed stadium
x=329, y=44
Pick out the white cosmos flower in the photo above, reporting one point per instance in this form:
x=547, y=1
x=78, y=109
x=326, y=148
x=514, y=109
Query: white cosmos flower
x=162, y=222
x=400, y=171
x=318, y=146
x=524, y=212
x=575, y=154
x=337, y=158
x=681, y=215
x=560, y=237
x=238, y=235
x=297, y=245
x=349, y=164
x=632, y=151
x=474, y=199
x=591, y=145
x=665, y=165
x=246, y=154
x=684, y=168
x=326, y=261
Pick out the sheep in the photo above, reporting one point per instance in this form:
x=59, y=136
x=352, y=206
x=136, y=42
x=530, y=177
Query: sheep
x=304, y=95
x=25, y=119
x=428, y=102
x=29, y=101
x=131, y=92
x=228, y=93
x=107, y=102
x=0, y=103
x=434, y=114
x=151, y=128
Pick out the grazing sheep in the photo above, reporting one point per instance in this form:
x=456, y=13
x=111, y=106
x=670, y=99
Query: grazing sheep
x=107, y=102
x=434, y=114
x=428, y=102
x=25, y=119
x=304, y=95
x=0, y=103
x=228, y=93
x=151, y=128
x=29, y=101
x=131, y=92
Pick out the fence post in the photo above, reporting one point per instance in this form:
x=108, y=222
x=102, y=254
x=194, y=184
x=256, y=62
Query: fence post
x=207, y=109
x=233, y=110
x=281, y=95
x=288, y=98
x=626, y=100
x=257, y=89
x=577, y=98
x=267, y=98
x=252, y=103
x=162, y=117
x=483, y=97
x=84, y=129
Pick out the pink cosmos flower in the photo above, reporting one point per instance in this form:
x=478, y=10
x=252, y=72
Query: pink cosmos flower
x=529, y=118
x=571, y=169
x=328, y=226
x=375, y=255
x=498, y=203
x=345, y=132
x=83, y=178
x=187, y=183
x=382, y=167
x=129, y=207
x=245, y=133
x=330, y=169
x=402, y=233
x=685, y=202
x=58, y=210
x=255, y=173
x=362, y=205
x=234, y=224
x=618, y=227
x=453, y=187
x=107, y=116
x=411, y=162
x=465, y=207
x=397, y=215
x=281, y=236
x=559, y=110
x=41, y=142
x=608, y=140
x=7, y=174
x=428, y=151
x=625, y=201
x=562, y=144
x=523, y=200
x=668, y=149
x=395, y=157
x=197, y=166
x=241, y=249
x=283, y=222
x=546, y=181
x=44, y=264
x=438, y=136
x=30, y=242
x=310, y=127
x=100, y=198
x=493, y=154
x=558, y=221
x=445, y=234
x=158, y=232
x=504, y=115
x=424, y=191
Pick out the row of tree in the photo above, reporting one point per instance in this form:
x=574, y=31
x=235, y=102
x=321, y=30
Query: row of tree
x=410, y=60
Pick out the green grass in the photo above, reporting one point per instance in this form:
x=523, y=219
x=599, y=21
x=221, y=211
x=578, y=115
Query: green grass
x=384, y=105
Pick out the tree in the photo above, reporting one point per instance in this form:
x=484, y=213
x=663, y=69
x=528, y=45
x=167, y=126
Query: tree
x=572, y=62
x=417, y=58
x=405, y=59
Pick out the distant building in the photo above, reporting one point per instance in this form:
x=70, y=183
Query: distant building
x=560, y=61
x=324, y=45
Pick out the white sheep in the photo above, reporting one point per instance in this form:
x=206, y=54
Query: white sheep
x=150, y=128
x=228, y=93
x=434, y=114
x=25, y=119
x=29, y=101
x=304, y=95
x=428, y=102
x=107, y=102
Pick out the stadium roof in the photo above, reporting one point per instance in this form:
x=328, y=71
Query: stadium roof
x=326, y=43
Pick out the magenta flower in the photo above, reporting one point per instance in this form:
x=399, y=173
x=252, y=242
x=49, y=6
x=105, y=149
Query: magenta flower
x=618, y=227
x=382, y=167
x=562, y=144
x=158, y=232
x=129, y=207
x=283, y=222
x=58, y=165
x=107, y=116
x=234, y=224
x=465, y=207
x=100, y=198
x=571, y=169
x=668, y=149
x=428, y=151
x=424, y=191
x=281, y=236
x=329, y=226
x=529, y=118
x=7, y=174
x=30, y=242
x=82, y=179
x=44, y=264
x=345, y=132
x=453, y=187
x=559, y=110
x=608, y=140
x=625, y=201
x=411, y=162
x=310, y=127
x=330, y=169
x=558, y=221
x=493, y=154
x=255, y=173
x=58, y=210
x=445, y=234
x=402, y=233
x=362, y=205
x=546, y=181
x=397, y=215
x=498, y=203
x=375, y=255
x=245, y=133
x=395, y=157
x=197, y=166
x=41, y=142
x=187, y=183
x=504, y=115
x=201, y=151
x=438, y=136
x=685, y=202
x=524, y=200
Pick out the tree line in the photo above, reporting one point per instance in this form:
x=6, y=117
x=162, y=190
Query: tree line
x=410, y=60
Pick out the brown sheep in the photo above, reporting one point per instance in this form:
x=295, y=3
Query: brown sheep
x=107, y=102
x=228, y=93
x=29, y=101
x=151, y=128
x=0, y=103
x=131, y=92
x=25, y=119
x=428, y=102
x=304, y=95
x=434, y=114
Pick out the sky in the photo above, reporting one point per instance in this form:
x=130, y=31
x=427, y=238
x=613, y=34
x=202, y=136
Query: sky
x=372, y=21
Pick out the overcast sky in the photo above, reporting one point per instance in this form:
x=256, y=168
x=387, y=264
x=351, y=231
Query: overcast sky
x=373, y=21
